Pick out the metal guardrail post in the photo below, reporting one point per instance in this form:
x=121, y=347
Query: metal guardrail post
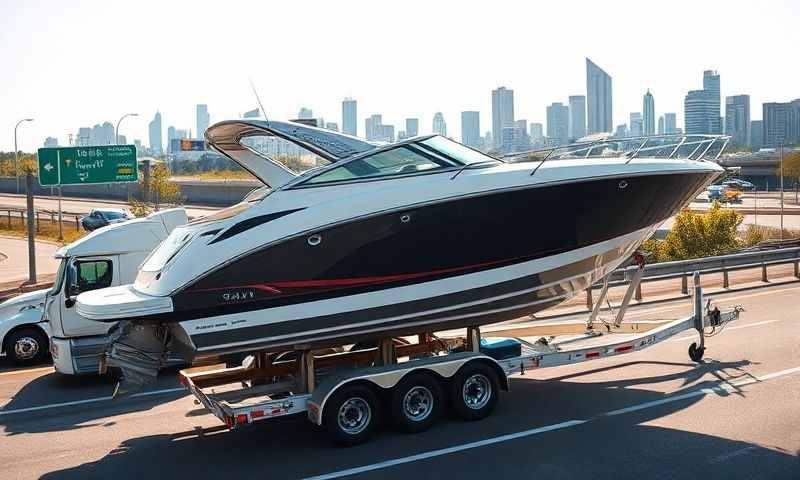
x=589, y=303
x=725, y=283
x=797, y=269
x=638, y=294
x=77, y=224
x=764, y=272
x=684, y=285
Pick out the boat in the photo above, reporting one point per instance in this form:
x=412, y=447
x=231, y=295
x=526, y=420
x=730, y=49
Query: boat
x=382, y=240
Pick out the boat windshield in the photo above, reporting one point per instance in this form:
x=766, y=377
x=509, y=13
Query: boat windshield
x=456, y=151
x=402, y=160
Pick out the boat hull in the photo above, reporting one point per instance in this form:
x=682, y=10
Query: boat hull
x=479, y=298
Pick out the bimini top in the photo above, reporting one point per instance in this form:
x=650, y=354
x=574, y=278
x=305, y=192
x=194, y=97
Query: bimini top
x=226, y=138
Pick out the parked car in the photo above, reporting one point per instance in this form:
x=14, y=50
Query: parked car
x=100, y=217
x=738, y=184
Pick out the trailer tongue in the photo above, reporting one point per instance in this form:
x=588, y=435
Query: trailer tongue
x=345, y=391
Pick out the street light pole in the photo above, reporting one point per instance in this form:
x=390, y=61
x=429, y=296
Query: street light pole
x=781, y=192
x=116, y=130
x=16, y=154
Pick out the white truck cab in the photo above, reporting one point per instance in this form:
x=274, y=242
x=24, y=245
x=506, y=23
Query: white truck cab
x=106, y=257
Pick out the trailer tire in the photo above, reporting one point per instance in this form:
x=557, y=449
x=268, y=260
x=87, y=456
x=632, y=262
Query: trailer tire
x=27, y=346
x=351, y=414
x=696, y=353
x=474, y=391
x=416, y=403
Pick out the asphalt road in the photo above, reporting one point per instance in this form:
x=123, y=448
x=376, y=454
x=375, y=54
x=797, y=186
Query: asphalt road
x=15, y=266
x=652, y=414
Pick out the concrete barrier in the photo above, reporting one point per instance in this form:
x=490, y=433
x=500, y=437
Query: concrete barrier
x=200, y=192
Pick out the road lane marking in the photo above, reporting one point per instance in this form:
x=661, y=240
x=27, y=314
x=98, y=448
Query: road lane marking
x=737, y=327
x=721, y=388
x=27, y=370
x=88, y=400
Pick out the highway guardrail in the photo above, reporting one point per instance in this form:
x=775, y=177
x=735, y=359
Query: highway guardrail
x=720, y=264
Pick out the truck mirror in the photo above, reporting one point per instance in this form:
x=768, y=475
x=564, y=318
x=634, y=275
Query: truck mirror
x=69, y=302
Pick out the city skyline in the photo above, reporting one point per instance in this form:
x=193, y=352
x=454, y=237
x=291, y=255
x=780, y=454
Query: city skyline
x=59, y=108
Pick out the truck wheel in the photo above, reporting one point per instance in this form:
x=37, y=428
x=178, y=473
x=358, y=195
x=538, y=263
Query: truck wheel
x=27, y=346
x=416, y=403
x=474, y=391
x=351, y=415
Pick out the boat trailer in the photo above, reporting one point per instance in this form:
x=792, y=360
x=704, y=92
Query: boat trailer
x=344, y=390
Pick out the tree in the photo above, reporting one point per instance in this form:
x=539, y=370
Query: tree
x=161, y=191
x=695, y=235
x=791, y=166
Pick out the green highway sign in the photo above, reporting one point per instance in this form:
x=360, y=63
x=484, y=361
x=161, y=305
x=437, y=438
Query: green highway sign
x=80, y=165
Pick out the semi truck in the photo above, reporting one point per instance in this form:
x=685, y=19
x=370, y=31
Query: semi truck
x=45, y=320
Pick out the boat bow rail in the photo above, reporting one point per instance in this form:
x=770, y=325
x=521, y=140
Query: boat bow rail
x=692, y=147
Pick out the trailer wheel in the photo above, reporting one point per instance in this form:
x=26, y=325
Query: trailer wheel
x=27, y=346
x=474, y=391
x=351, y=414
x=696, y=353
x=416, y=403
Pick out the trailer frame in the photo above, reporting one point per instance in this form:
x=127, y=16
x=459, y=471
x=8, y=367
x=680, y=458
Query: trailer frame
x=271, y=385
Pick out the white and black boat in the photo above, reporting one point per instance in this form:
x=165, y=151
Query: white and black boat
x=385, y=240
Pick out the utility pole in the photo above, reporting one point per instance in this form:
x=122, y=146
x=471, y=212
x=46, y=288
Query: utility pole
x=31, y=231
x=16, y=153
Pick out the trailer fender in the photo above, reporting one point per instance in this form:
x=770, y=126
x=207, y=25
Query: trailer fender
x=386, y=377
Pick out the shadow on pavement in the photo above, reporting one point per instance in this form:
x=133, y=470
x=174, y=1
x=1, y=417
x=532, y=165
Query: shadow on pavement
x=54, y=388
x=605, y=447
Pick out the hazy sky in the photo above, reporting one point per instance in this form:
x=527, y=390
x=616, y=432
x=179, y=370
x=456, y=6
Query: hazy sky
x=70, y=64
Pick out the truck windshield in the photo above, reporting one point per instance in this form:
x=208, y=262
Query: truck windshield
x=59, y=277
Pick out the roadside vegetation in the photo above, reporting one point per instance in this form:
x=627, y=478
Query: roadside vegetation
x=28, y=162
x=159, y=193
x=46, y=230
x=708, y=234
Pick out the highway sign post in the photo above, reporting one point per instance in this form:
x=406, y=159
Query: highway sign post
x=86, y=165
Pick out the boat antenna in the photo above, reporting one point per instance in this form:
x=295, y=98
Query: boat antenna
x=264, y=112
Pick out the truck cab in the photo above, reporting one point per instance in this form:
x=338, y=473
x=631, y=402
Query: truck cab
x=106, y=257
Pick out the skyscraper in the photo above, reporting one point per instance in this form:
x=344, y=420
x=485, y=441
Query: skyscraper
x=711, y=85
x=648, y=114
x=558, y=123
x=577, y=116
x=661, y=125
x=305, y=113
x=698, y=113
x=471, y=129
x=737, y=119
x=636, y=125
x=350, y=117
x=372, y=126
x=412, y=127
x=537, y=134
x=781, y=123
x=50, y=142
x=502, y=113
x=756, y=134
x=203, y=120
x=670, y=125
x=156, y=145
x=439, y=125
x=598, y=99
